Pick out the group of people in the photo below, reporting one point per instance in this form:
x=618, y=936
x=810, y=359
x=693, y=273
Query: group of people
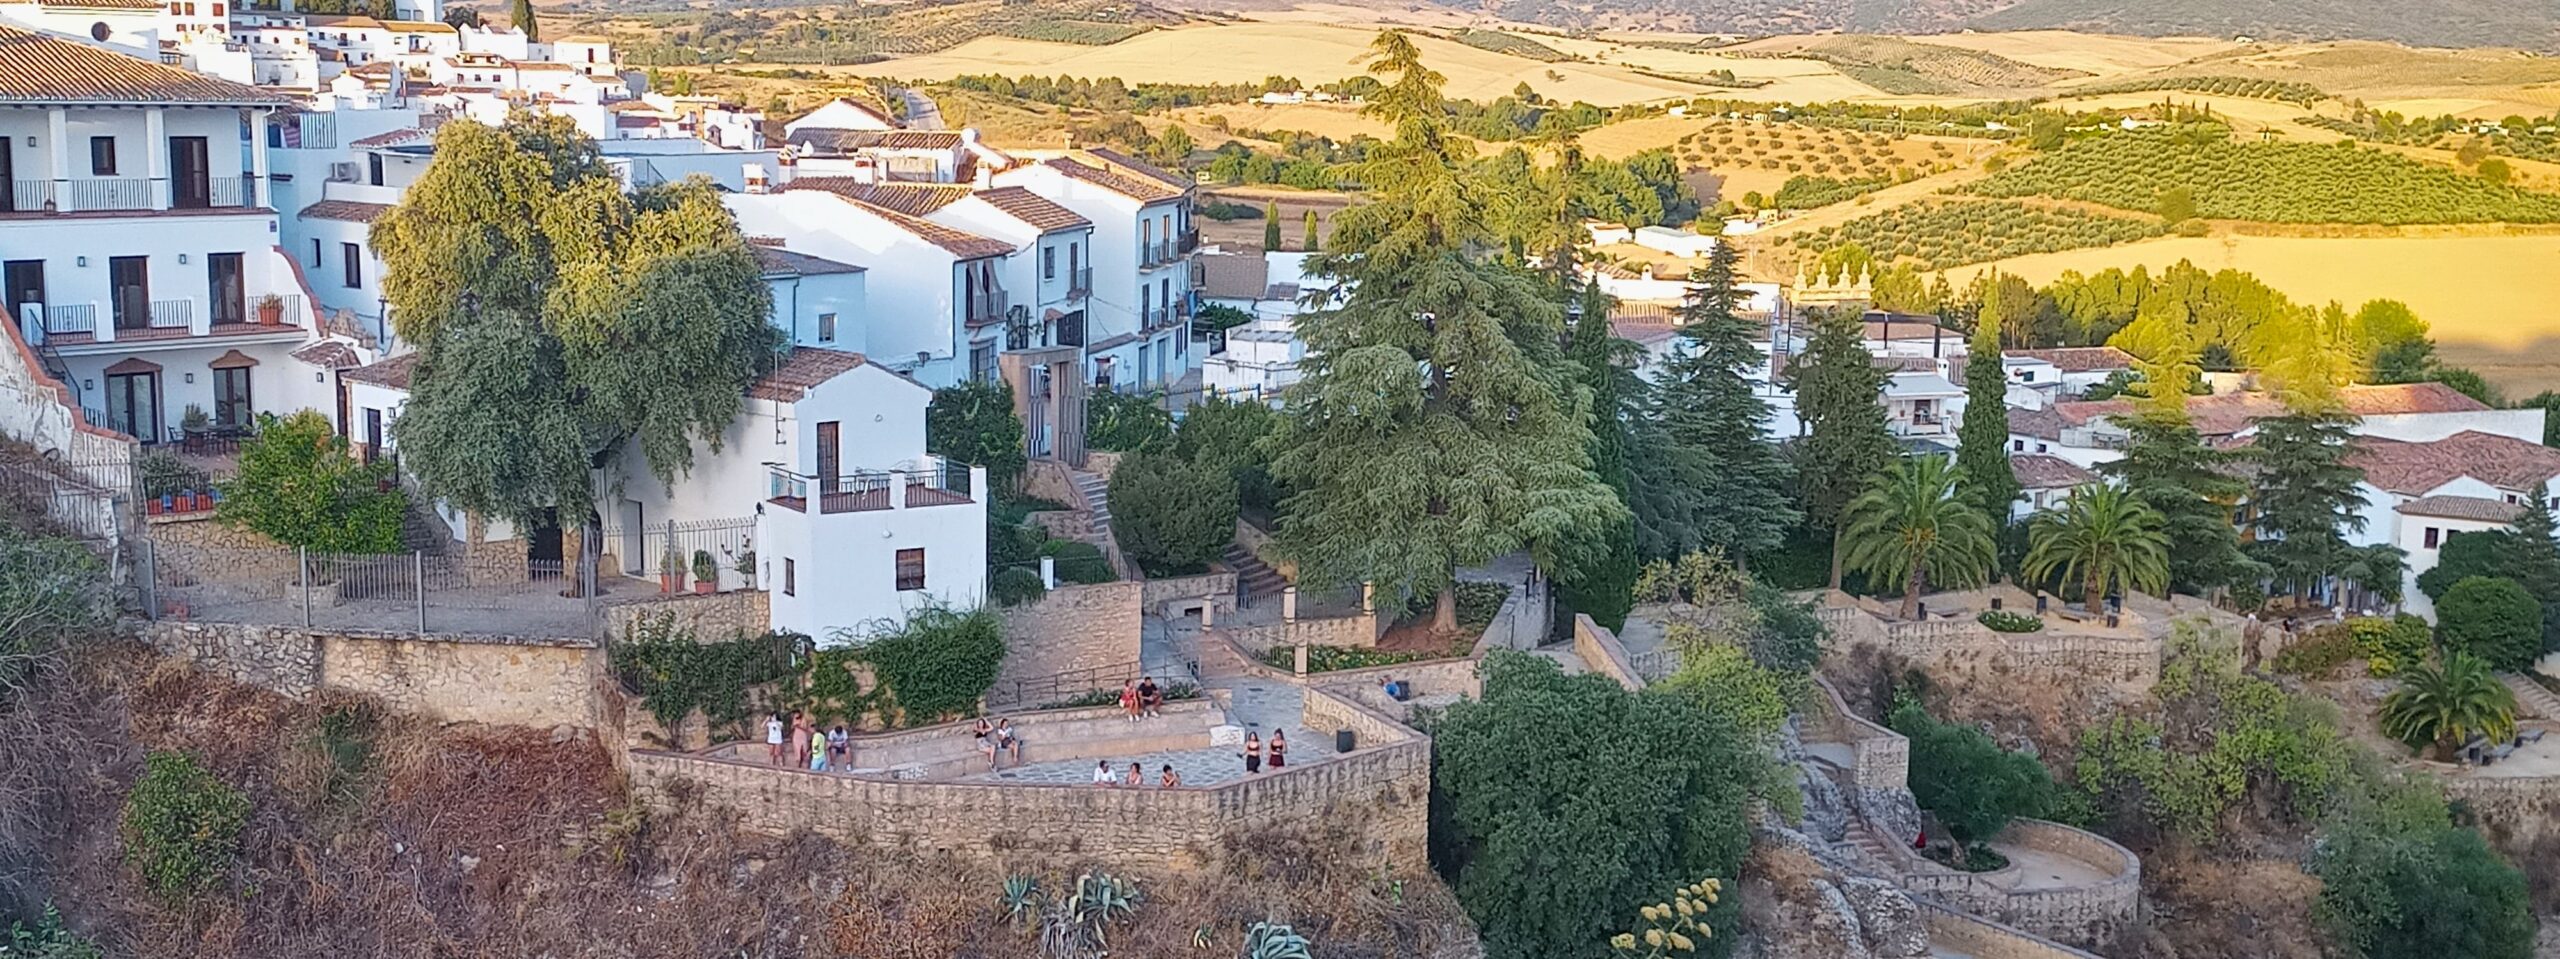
x=796, y=743
x=1142, y=699
x=1104, y=775
x=998, y=738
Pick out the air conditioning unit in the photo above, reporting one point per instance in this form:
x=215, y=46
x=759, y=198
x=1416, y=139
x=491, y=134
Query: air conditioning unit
x=342, y=172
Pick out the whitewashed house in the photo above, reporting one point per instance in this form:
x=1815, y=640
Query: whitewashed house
x=2418, y=494
x=2076, y=368
x=1139, y=315
x=931, y=285
x=1680, y=243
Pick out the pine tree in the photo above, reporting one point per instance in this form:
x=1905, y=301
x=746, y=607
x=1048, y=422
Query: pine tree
x=522, y=18
x=1837, y=386
x=1313, y=242
x=2533, y=560
x=1982, y=440
x=1603, y=587
x=1271, y=226
x=2305, y=497
x=2167, y=465
x=1731, y=485
x=1438, y=422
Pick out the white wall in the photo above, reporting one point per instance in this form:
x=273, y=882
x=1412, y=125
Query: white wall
x=846, y=564
x=909, y=293
x=799, y=301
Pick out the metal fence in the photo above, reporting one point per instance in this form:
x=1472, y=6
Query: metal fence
x=670, y=554
x=495, y=593
x=1065, y=687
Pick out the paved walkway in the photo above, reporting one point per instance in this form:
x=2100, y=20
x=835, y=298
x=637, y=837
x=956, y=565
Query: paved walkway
x=1260, y=706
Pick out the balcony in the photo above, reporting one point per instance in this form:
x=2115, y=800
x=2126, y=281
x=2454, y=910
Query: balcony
x=939, y=482
x=69, y=325
x=1154, y=318
x=985, y=309
x=1190, y=242
x=129, y=194
x=1156, y=254
x=1080, y=283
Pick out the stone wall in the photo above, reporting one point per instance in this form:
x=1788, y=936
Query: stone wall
x=1101, y=463
x=507, y=680
x=1047, y=479
x=199, y=531
x=714, y=617
x=950, y=750
x=2082, y=915
x=1164, y=596
x=1434, y=682
x=1355, y=630
x=1984, y=939
x=1381, y=790
x=1965, y=649
x=1257, y=542
x=1601, y=652
x=1073, y=628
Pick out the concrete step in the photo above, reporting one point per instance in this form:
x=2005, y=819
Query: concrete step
x=2532, y=700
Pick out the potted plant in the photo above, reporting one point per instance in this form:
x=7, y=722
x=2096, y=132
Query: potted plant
x=671, y=565
x=706, y=573
x=271, y=310
x=194, y=424
x=747, y=568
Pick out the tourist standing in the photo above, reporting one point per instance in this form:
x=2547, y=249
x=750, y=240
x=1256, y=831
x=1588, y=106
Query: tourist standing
x=1279, y=749
x=1137, y=776
x=1252, y=753
x=773, y=737
x=802, y=731
x=1171, y=780
x=839, y=749
x=986, y=733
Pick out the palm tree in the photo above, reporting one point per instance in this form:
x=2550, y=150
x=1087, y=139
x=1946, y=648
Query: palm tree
x=2105, y=536
x=1909, y=525
x=2445, y=704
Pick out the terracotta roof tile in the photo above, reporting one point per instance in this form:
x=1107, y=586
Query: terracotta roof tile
x=328, y=355
x=35, y=68
x=2080, y=359
x=1234, y=276
x=348, y=210
x=854, y=140
x=1123, y=162
x=388, y=137
x=1033, y=209
x=801, y=370
x=2042, y=424
x=957, y=242
x=2416, y=469
x=2043, y=471
x=1137, y=188
x=781, y=262
x=393, y=373
x=2223, y=414
x=912, y=199
x=2463, y=507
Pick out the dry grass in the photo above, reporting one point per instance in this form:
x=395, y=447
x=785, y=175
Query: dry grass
x=2100, y=54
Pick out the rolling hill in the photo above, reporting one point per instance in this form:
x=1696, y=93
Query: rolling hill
x=2436, y=23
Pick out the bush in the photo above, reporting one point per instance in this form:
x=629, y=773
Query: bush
x=1126, y=422
x=1974, y=786
x=2393, y=888
x=163, y=473
x=1079, y=562
x=2317, y=655
x=300, y=486
x=1326, y=659
x=935, y=665
x=47, y=939
x=1014, y=586
x=1172, y=517
x=2491, y=618
x=181, y=825
x=2391, y=645
x=2010, y=621
x=974, y=423
x=675, y=673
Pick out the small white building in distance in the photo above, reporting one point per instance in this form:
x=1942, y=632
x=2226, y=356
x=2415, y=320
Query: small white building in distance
x=1681, y=243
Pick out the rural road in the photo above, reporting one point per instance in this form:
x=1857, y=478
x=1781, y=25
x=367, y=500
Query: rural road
x=922, y=114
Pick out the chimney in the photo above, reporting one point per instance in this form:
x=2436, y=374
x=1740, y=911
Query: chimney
x=866, y=169
x=786, y=167
x=982, y=174
x=755, y=177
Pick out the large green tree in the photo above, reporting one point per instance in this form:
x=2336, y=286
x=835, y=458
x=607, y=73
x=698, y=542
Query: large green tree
x=1982, y=439
x=1439, y=423
x=2304, y=498
x=2493, y=618
x=1570, y=800
x=1912, y=528
x=299, y=485
x=559, y=317
x=521, y=16
x=2104, y=537
x=974, y=423
x=1730, y=481
x=1837, y=387
x=1603, y=583
x=2167, y=465
x=1172, y=516
x=1971, y=784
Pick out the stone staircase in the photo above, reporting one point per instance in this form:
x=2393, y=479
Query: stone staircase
x=421, y=530
x=1096, y=494
x=1256, y=579
x=2532, y=700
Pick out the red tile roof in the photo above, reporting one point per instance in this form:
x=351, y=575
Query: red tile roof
x=2042, y=471
x=781, y=262
x=1033, y=209
x=913, y=199
x=2041, y=424
x=347, y=210
x=2080, y=359
x=35, y=68
x=1119, y=162
x=2227, y=413
x=328, y=355
x=393, y=373
x=2417, y=468
x=801, y=370
x=2463, y=507
x=1139, y=188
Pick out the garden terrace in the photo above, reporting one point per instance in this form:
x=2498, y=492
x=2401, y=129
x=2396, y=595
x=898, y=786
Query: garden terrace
x=940, y=484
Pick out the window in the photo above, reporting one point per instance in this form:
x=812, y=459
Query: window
x=2017, y=446
x=982, y=362
x=2028, y=376
x=1048, y=263
x=315, y=253
x=826, y=327
x=910, y=569
x=102, y=156
x=353, y=262
x=2041, y=448
x=1143, y=350
x=790, y=577
x=2432, y=533
x=231, y=403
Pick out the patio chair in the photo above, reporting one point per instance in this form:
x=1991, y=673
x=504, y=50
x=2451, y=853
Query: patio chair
x=2529, y=736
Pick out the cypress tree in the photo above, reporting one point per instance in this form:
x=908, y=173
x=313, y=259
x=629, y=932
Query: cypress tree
x=1312, y=243
x=521, y=17
x=1837, y=387
x=1728, y=489
x=1604, y=584
x=1271, y=226
x=1982, y=440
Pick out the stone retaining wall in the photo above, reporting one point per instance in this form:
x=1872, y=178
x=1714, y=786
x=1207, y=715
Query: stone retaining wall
x=1073, y=628
x=1257, y=542
x=1601, y=653
x=1382, y=791
x=2087, y=916
x=199, y=530
x=1968, y=649
x=519, y=681
x=1356, y=630
x=950, y=750
x=713, y=617
x=1984, y=939
x=1218, y=589
x=1438, y=680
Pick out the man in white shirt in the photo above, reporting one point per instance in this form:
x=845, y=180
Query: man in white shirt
x=773, y=737
x=1102, y=774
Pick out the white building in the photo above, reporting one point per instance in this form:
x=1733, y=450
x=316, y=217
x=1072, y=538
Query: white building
x=1680, y=243
x=2044, y=482
x=2088, y=433
x=2418, y=494
x=933, y=286
x=1921, y=404
x=129, y=27
x=138, y=248
x=2077, y=368
x=1139, y=315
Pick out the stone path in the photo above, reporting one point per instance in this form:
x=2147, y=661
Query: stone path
x=1258, y=705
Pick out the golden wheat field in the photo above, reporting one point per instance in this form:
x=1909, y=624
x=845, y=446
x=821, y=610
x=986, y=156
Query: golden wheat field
x=2097, y=54
x=1248, y=52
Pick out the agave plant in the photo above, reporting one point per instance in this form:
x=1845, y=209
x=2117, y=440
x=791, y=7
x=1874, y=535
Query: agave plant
x=1269, y=940
x=1077, y=927
x=1021, y=899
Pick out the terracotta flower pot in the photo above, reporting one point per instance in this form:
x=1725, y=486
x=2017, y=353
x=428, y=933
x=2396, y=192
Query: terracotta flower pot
x=154, y=505
x=704, y=587
x=669, y=583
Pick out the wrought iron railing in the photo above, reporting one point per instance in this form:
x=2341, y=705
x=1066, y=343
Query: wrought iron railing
x=71, y=318
x=172, y=314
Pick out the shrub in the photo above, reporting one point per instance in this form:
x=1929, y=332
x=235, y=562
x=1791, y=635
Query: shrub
x=935, y=665
x=675, y=673
x=1326, y=659
x=1974, y=786
x=181, y=825
x=2391, y=645
x=2403, y=886
x=1126, y=422
x=163, y=473
x=2493, y=618
x=1014, y=586
x=974, y=423
x=1079, y=562
x=300, y=486
x=2010, y=621
x=2317, y=655
x=47, y=939
x=1171, y=516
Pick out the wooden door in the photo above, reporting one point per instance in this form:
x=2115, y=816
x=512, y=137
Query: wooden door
x=190, y=173
x=829, y=455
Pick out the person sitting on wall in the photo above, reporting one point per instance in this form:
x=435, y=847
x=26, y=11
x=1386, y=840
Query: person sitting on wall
x=1007, y=740
x=986, y=733
x=1171, y=780
x=1137, y=776
x=1150, y=697
x=1129, y=700
x=1102, y=774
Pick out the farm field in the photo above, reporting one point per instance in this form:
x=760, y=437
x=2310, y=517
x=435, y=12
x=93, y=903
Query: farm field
x=2104, y=56
x=1743, y=166
x=1324, y=120
x=2481, y=295
x=1249, y=52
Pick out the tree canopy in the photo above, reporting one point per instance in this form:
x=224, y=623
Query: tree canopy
x=1714, y=478
x=1837, y=385
x=299, y=485
x=559, y=317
